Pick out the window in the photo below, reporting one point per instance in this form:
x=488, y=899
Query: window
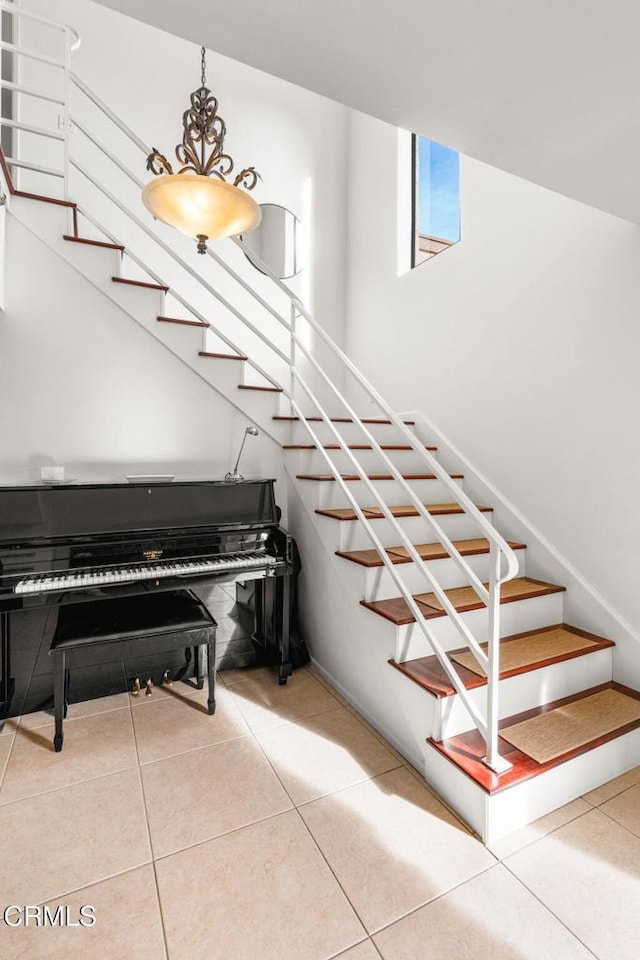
x=436, y=199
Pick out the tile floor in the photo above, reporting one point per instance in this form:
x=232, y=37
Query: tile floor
x=284, y=828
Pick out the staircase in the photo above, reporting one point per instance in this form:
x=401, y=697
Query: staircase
x=416, y=607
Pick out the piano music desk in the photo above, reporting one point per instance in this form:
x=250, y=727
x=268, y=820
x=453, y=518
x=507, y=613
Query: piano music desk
x=174, y=619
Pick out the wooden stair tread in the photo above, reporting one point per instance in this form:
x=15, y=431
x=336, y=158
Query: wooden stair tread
x=374, y=513
x=6, y=169
x=466, y=750
x=407, y=423
x=250, y=386
x=463, y=598
x=222, y=356
x=94, y=243
x=427, y=551
x=186, y=323
x=141, y=283
x=351, y=446
x=323, y=477
x=429, y=674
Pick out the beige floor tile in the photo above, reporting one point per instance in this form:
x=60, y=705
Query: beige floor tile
x=613, y=787
x=625, y=809
x=325, y=683
x=63, y=840
x=171, y=726
x=216, y=789
x=264, y=703
x=588, y=874
x=539, y=828
x=128, y=922
x=261, y=892
x=322, y=754
x=392, y=845
x=93, y=747
x=268, y=674
x=362, y=951
x=8, y=727
x=85, y=708
x=377, y=734
x=5, y=749
x=491, y=917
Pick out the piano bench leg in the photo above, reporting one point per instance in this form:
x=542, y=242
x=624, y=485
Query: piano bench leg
x=198, y=670
x=66, y=693
x=286, y=669
x=211, y=673
x=59, y=697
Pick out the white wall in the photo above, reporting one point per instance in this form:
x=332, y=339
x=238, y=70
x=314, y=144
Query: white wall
x=84, y=387
x=521, y=343
x=295, y=139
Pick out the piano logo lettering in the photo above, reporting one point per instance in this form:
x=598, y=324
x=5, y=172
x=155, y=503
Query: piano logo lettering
x=152, y=554
x=44, y=916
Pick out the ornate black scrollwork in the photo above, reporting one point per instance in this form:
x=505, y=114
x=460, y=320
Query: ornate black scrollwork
x=157, y=163
x=204, y=131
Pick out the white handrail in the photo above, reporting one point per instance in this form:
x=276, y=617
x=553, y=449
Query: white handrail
x=28, y=15
x=500, y=551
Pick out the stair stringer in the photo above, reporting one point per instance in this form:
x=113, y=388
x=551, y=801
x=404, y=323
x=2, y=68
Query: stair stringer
x=47, y=223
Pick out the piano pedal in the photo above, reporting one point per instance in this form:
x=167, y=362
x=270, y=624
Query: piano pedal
x=135, y=691
x=149, y=686
x=166, y=679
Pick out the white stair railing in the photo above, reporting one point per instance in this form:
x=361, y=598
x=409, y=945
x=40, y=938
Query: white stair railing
x=503, y=563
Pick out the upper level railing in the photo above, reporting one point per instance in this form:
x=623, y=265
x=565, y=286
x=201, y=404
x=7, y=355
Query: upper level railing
x=297, y=386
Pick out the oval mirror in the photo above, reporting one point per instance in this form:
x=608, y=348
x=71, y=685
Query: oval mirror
x=276, y=241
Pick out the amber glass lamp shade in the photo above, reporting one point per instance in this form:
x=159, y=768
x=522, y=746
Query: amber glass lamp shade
x=201, y=207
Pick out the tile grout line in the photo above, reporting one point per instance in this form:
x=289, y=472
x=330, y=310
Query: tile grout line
x=343, y=953
x=542, y=836
x=5, y=768
x=549, y=910
x=146, y=820
x=396, y=754
x=613, y=819
x=402, y=761
x=64, y=786
x=84, y=716
x=319, y=848
x=312, y=838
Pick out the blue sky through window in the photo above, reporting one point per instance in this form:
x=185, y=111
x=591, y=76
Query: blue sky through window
x=438, y=190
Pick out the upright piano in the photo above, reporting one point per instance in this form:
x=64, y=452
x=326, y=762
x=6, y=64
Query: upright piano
x=84, y=542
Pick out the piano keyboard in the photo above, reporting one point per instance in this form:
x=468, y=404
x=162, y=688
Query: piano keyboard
x=107, y=575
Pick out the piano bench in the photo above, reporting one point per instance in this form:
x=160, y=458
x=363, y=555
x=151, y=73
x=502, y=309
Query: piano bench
x=174, y=619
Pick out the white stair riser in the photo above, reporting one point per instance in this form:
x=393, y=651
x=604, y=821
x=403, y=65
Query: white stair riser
x=313, y=461
x=142, y=303
x=95, y=263
x=515, y=617
x=379, y=584
x=224, y=376
x=351, y=534
x=382, y=432
x=495, y=816
x=48, y=220
x=331, y=494
x=528, y=690
x=259, y=405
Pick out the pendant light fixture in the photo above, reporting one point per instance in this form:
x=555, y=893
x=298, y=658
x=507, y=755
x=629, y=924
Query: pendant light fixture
x=198, y=200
